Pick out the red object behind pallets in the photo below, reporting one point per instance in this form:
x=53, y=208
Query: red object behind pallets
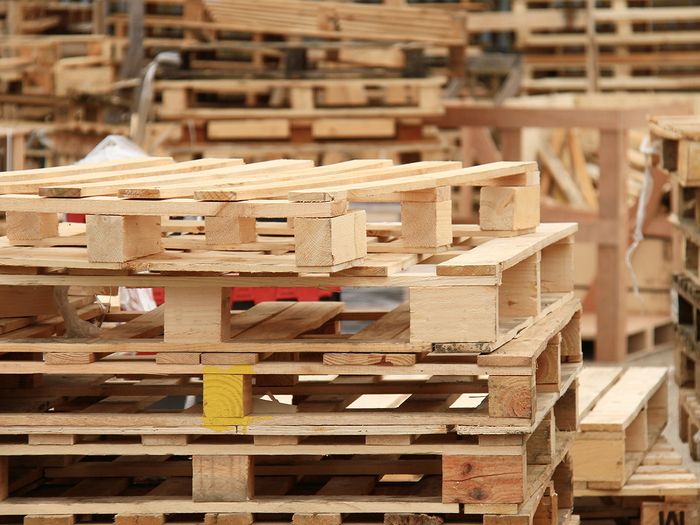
x=259, y=295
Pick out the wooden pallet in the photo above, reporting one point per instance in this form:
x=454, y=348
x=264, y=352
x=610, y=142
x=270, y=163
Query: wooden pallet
x=689, y=420
x=614, y=46
x=661, y=490
x=326, y=237
x=507, y=387
x=226, y=99
x=622, y=414
x=645, y=333
x=418, y=145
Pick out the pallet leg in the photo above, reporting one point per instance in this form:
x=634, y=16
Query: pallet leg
x=197, y=314
x=512, y=396
x=557, y=267
x=49, y=519
x=563, y=479
x=470, y=314
x=29, y=226
x=548, y=373
x=426, y=218
x=117, y=239
x=326, y=242
x=229, y=230
x=139, y=519
x=520, y=292
x=228, y=518
x=571, y=350
x=484, y=479
x=226, y=395
x=510, y=208
x=540, y=445
x=222, y=478
x=326, y=518
x=566, y=410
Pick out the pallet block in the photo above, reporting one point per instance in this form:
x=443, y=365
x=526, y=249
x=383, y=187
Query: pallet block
x=330, y=242
x=117, y=239
x=30, y=226
x=509, y=208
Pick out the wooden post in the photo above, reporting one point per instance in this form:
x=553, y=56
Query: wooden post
x=29, y=226
x=222, y=478
x=199, y=314
x=484, y=479
x=117, y=239
x=611, y=308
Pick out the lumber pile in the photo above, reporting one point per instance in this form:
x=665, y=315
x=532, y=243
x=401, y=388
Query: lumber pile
x=623, y=469
x=432, y=411
x=278, y=79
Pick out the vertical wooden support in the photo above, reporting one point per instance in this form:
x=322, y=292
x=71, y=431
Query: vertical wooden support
x=226, y=395
x=637, y=433
x=139, y=519
x=229, y=230
x=29, y=226
x=566, y=410
x=4, y=478
x=611, y=308
x=563, y=479
x=512, y=396
x=557, y=267
x=549, y=366
x=571, y=350
x=547, y=512
x=222, y=478
x=330, y=241
x=198, y=314
x=519, y=294
x=541, y=443
x=301, y=98
x=49, y=519
x=228, y=518
x=117, y=239
x=484, y=479
x=509, y=207
x=426, y=218
x=468, y=314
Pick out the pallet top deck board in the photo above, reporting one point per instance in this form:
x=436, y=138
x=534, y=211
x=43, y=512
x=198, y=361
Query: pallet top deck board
x=233, y=182
x=676, y=127
x=616, y=409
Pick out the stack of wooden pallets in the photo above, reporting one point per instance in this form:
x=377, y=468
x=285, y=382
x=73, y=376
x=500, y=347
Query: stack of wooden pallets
x=617, y=45
x=678, y=145
x=324, y=120
x=433, y=411
x=623, y=468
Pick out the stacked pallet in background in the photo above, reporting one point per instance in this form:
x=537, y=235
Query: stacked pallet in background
x=617, y=45
x=433, y=411
x=678, y=148
x=623, y=468
x=324, y=120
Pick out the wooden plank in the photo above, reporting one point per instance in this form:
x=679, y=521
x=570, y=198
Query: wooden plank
x=496, y=255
